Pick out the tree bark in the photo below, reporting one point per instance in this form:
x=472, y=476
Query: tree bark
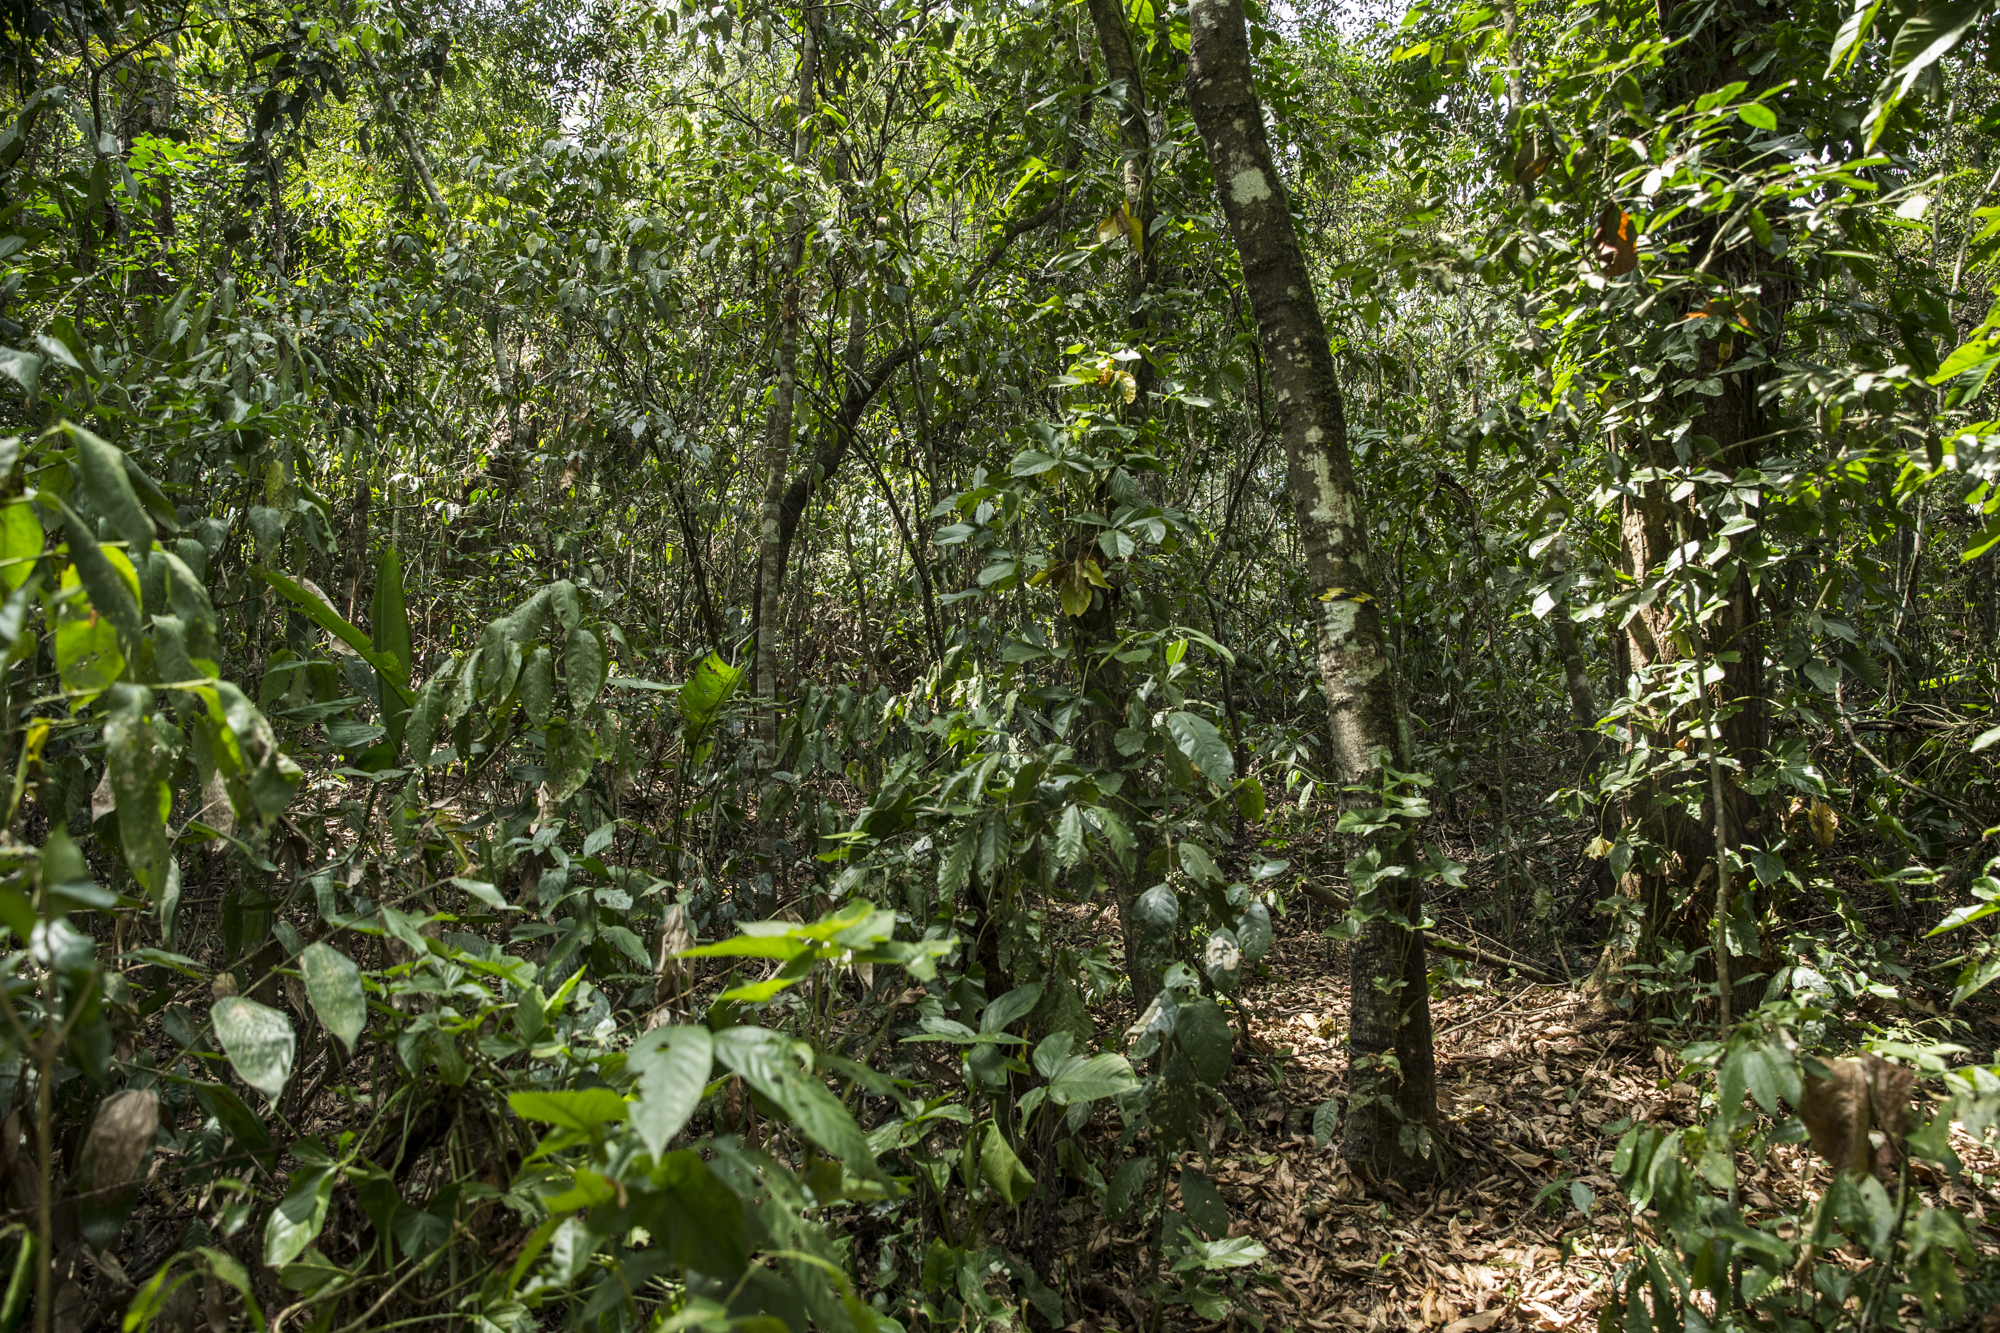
x=1393, y=1079
x=778, y=424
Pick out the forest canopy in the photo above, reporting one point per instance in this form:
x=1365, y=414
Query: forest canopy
x=927, y=664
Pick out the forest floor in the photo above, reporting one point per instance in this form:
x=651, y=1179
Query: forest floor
x=1528, y=1226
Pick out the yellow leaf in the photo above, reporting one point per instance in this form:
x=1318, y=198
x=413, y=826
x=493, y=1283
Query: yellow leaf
x=1598, y=847
x=1825, y=823
x=1088, y=568
x=1075, y=599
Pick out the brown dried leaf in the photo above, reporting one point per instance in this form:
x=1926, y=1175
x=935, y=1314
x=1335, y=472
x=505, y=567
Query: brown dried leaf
x=1836, y=1115
x=1616, y=242
x=121, y=1136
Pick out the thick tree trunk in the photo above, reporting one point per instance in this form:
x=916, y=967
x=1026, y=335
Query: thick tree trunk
x=778, y=423
x=1390, y=998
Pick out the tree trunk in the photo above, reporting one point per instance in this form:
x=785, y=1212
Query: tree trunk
x=1675, y=889
x=1390, y=998
x=778, y=424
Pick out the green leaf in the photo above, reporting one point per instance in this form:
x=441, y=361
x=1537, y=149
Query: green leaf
x=1204, y=1033
x=1253, y=932
x=1195, y=860
x=258, y=1041
x=139, y=779
x=295, y=1223
x=1001, y=1168
x=337, y=625
x=1197, y=739
x=955, y=867
x=230, y=1111
x=765, y=1060
x=1010, y=1008
x=1250, y=800
x=538, y=686
x=110, y=490
x=107, y=576
x=389, y=617
x=333, y=984
x=1126, y=1184
x=20, y=543
x=1088, y=1079
x=673, y=1065
x=1326, y=1122
x=583, y=666
x=1203, y=1204
x=24, y=368
x=1069, y=838
x=1157, y=912
x=582, y=1110
x=701, y=699
x=1757, y=116
x=572, y=757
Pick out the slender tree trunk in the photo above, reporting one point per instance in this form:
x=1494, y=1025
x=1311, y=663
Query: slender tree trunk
x=778, y=424
x=1145, y=960
x=1390, y=998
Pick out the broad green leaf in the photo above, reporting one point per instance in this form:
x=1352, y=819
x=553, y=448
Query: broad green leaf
x=20, y=543
x=955, y=866
x=1091, y=1078
x=673, y=1065
x=1326, y=1122
x=106, y=575
x=295, y=1223
x=1253, y=932
x=1250, y=800
x=1002, y=1168
x=1197, y=739
x=765, y=1060
x=258, y=1041
x=140, y=779
x=389, y=617
x=1010, y=1008
x=572, y=756
x=87, y=647
x=583, y=666
x=110, y=490
x=713, y=681
x=1203, y=1204
x=1204, y=1033
x=317, y=611
x=333, y=984
x=1069, y=838
x=24, y=368
x=538, y=685
x=1157, y=912
x=1195, y=860
x=584, y=1110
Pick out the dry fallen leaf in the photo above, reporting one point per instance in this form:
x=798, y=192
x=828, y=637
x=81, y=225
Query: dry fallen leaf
x=1858, y=1096
x=1474, y=1323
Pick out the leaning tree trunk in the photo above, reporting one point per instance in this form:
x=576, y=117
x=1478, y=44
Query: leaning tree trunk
x=1390, y=998
x=778, y=424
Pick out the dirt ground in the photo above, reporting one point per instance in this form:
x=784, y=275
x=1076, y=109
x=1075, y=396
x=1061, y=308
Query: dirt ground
x=1529, y=1077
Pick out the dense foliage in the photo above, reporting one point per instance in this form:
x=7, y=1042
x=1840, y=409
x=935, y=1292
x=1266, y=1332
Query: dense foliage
x=674, y=665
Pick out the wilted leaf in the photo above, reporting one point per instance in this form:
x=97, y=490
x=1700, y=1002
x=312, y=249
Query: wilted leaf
x=1616, y=242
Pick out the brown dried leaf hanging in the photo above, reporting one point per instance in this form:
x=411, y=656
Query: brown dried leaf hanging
x=1616, y=242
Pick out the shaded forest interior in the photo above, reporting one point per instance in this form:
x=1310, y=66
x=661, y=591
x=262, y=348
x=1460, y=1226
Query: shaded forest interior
x=742, y=666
